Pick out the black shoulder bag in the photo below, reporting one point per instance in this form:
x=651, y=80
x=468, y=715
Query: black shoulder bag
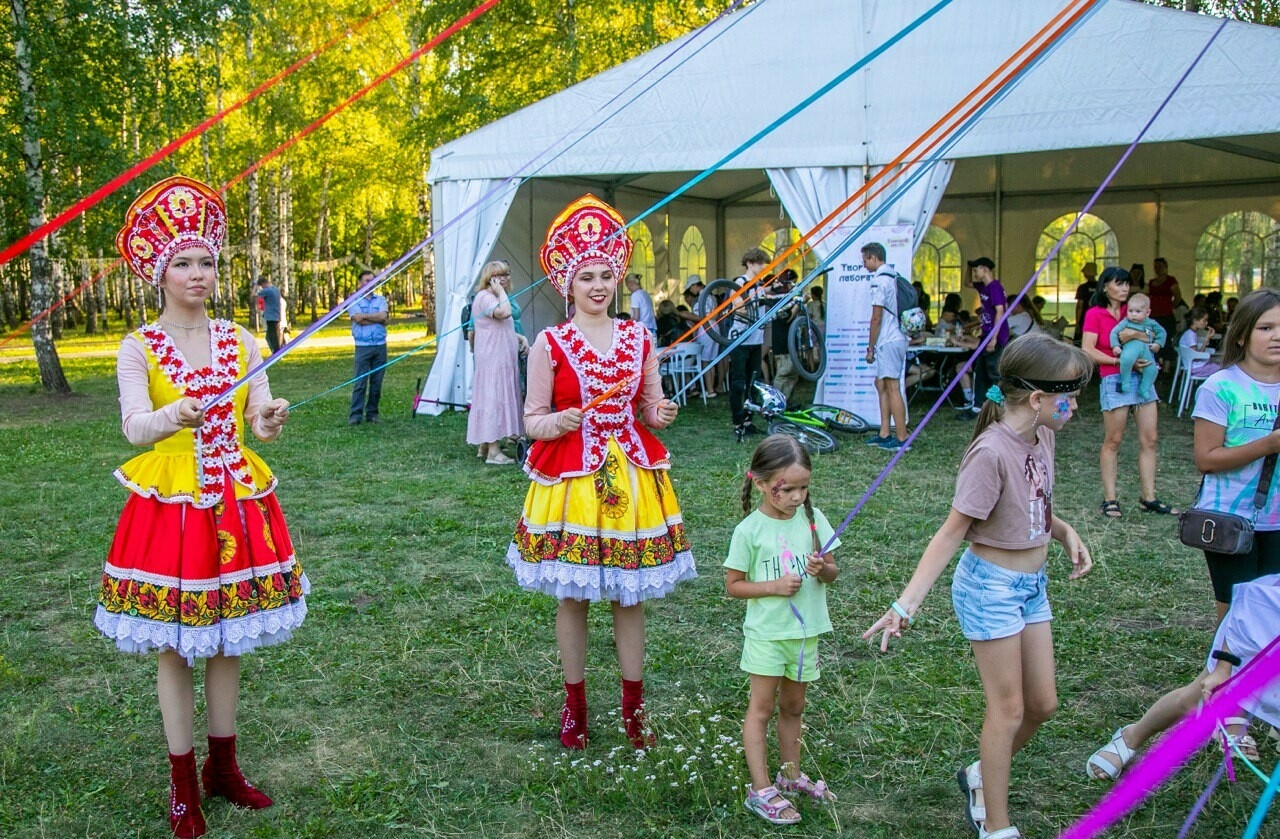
x=1226, y=533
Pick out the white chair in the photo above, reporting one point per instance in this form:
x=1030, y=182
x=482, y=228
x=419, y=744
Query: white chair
x=1187, y=359
x=684, y=365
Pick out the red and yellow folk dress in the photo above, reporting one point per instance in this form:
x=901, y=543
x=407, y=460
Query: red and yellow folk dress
x=601, y=520
x=202, y=563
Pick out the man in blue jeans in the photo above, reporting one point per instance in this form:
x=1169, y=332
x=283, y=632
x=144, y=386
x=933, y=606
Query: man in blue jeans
x=369, y=329
x=270, y=297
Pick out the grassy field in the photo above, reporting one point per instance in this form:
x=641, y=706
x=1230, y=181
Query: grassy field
x=422, y=696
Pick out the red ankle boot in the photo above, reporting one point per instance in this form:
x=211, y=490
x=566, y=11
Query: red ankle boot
x=222, y=776
x=185, y=819
x=573, y=719
x=633, y=714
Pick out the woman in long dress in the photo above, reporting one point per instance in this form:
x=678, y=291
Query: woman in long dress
x=495, y=391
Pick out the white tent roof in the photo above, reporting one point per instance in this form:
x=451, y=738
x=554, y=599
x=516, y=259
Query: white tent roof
x=1096, y=89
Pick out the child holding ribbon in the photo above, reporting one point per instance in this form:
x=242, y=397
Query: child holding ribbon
x=1003, y=506
x=777, y=565
x=201, y=565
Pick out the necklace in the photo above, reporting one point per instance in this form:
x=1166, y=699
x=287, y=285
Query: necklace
x=168, y=322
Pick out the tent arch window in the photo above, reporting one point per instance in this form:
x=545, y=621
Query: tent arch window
x=1238, y=253
x=1093, y=240
x=783, y=238
x=642, y=261
x=937, y=266
x=693, y=254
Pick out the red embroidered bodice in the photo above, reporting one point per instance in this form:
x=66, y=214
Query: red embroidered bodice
x=581, y=374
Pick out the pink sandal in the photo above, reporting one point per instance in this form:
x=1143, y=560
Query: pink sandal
x=762, y=804
x=817, y=791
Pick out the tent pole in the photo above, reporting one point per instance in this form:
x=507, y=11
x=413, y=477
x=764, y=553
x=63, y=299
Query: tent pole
x=721, y=240
x=1159, y=219
x=999, y=225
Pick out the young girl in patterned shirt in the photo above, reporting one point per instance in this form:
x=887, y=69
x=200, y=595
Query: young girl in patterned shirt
x=1003, y=507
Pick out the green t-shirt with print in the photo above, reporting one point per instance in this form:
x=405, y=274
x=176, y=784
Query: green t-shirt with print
x=765, y=549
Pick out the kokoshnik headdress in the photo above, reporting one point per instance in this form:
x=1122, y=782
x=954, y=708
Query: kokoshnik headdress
x=174, y=214
x=588, y=232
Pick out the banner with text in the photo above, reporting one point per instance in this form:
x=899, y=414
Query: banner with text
x=849, y=381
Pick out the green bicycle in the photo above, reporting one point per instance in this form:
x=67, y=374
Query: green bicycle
x=810, y=426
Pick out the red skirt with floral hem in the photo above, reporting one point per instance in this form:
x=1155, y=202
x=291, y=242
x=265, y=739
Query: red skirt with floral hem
x=201, y=582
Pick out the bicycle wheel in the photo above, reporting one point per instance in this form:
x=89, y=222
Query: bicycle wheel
x=805, y=343
x=815, y=440
x=727, y=324
x=839, y=419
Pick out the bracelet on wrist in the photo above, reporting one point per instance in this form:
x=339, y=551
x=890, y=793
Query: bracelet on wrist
x=902, y=613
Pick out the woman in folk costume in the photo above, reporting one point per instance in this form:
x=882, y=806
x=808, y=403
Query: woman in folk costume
x=601, y=520
x=201, y=565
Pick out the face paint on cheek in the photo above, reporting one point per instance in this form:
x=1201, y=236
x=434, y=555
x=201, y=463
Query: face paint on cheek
x=1063, y=406
x=775, y=491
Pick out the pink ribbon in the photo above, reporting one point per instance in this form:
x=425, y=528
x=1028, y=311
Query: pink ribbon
x=1167, y=756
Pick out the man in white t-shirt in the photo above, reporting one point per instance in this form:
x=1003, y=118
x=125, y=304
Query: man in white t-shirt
x=642, y=305
x=886, y=349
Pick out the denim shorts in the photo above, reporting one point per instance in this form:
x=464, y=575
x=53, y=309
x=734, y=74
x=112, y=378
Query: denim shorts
x=1111, y=399
x=781, y=658
x=993, y=602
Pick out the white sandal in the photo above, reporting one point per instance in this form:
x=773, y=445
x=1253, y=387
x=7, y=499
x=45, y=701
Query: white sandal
x=1243, y=743
x=1009, y=832
x=1099, y=764
x=970, y=781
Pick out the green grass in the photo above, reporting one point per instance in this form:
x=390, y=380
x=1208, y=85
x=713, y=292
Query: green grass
x=422, y=695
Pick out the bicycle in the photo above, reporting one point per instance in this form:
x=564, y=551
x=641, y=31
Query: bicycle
x=809, y=426
x=807, y=346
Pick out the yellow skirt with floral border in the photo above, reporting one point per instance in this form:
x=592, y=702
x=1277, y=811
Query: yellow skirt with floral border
x=614, y=535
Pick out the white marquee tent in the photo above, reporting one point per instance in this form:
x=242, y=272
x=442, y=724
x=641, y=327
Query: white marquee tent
x=1035, y=156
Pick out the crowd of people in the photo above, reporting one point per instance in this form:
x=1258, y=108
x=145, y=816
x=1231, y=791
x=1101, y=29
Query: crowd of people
x=202, y=565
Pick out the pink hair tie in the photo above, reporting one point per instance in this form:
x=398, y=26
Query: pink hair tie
x=750, y=477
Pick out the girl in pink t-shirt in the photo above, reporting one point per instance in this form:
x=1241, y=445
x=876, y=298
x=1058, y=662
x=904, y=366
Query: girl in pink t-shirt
x=1003, y=507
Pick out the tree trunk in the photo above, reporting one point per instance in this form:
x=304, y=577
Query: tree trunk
x=273, y=228
x=330, y=280
x=322, y=222
x=287, y=285
x=57, y=283
x=85, y=269
x=51, y=375
x=99, y=292
x=428, y=259
x=255, y=256
x=7, y=311
x=368, y=237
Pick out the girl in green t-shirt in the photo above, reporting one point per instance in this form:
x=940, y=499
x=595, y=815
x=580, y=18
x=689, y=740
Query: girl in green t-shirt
x=777, y=565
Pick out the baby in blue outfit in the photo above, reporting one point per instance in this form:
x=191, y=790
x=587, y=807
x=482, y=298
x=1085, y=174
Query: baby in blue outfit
x=1138, y=317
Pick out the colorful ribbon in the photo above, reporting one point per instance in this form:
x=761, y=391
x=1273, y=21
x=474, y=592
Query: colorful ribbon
x=982, y=345
x=95, y=197
x=1166, y=757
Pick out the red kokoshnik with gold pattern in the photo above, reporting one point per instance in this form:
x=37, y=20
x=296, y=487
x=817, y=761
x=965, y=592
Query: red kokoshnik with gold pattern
x=601, y=519
x=201, y=562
